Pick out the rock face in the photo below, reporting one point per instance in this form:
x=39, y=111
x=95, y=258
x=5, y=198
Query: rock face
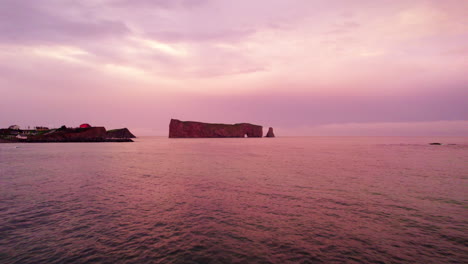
x=119, y=133
x=270, y=133
x=190, y=129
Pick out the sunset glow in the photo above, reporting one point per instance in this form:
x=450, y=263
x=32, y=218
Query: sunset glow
x=233, y=131
x=297, y=65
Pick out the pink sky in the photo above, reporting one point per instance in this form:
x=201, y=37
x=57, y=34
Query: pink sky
x=305, y=67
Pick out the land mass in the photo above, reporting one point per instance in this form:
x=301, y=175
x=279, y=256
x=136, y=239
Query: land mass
x=119, y=133
x=63, y=134
x=191, y=129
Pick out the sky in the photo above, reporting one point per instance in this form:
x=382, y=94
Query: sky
x=304, y=67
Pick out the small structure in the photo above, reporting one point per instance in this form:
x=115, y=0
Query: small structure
x=20, y=136
x=14, y=127
x=85, y=126
x=29, y=132
x=41, y=128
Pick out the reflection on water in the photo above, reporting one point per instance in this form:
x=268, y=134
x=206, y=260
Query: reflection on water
x=282, y=200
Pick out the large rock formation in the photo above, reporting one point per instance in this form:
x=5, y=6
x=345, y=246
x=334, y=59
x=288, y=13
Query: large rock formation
x=270, y=133
x=120, y=133
x=190, y=129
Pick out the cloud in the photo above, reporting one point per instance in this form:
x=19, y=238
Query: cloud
x=166, y=4
x=28, y=22
x=343, y=27
x=228, y=35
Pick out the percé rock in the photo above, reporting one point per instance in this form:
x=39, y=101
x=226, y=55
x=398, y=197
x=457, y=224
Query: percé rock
x=190, y=129
x=119, y=133
x=270, y=133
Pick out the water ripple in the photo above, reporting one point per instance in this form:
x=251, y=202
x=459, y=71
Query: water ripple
x=293, y=200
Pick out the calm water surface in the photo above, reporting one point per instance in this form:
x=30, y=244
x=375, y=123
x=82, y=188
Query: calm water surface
x=282, y=200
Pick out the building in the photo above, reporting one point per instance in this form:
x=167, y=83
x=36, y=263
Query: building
x=40, y=128
x=29, y=132
x=14, y=127
x=85, y=126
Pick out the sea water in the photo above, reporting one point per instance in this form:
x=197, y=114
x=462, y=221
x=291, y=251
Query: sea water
x=254, y=200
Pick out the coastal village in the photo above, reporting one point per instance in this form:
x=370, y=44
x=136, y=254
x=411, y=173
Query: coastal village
x=82, y=133
x=16, y=131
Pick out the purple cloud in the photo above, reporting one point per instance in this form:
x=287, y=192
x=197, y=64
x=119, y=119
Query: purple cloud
x=159, y=3
x=28, y=22
x=228, y=35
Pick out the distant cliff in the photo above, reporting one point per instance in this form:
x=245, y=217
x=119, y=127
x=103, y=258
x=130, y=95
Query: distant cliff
x=119, y=133
x=190, y=129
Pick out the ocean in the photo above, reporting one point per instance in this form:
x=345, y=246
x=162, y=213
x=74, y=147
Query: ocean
x=254, y=200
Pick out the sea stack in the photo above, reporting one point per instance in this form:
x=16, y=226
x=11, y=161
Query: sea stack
x=270, y=133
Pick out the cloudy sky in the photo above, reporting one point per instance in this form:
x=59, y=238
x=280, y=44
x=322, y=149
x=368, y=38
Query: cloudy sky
x=305, y=67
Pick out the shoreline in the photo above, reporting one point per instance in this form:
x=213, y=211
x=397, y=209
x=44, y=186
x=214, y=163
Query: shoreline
x=124, y=140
